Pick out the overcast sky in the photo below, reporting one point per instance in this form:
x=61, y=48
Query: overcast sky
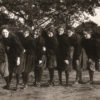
x=96, y=18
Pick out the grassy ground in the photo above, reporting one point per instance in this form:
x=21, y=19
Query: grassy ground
x=73, y=92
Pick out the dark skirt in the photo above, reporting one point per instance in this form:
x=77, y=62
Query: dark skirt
x=43, y=64
x=82, y=61
x=51, y=61
x=39, y=68
x=21, y=68
x=11, y=63
x=62, y=66
x=30, y=63
x=4, y=68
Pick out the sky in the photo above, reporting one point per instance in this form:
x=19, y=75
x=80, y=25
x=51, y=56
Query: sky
x=96, y=18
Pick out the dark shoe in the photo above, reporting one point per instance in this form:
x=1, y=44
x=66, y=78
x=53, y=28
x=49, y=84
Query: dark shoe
x=25, y=86
x=17, y=87
x=67, y=85
x=81, y=82
x=38, y=84
x=34, y=83
x=7, y=82
x=60, y=83
x=6, y=87
x=91, y=82
x=51, y=83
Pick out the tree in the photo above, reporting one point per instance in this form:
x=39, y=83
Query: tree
x=33, y=12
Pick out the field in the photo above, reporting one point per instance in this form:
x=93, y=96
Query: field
x=57, y=92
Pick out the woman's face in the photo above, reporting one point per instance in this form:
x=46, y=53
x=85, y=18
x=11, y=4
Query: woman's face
x=50, y=34
x=61, y=31
x=5, y=33
x=86, y=35
x=26, y=33
x=69, y=33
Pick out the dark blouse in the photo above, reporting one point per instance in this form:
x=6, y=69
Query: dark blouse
x=28, y=43
x=66, y=42
x=76, y=41
x=40, y=43
x=63, y=46
x=52, y=45
x=2, y=52
x=14, y=44
x=92, y=48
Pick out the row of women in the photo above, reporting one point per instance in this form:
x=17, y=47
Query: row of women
x=23, y=52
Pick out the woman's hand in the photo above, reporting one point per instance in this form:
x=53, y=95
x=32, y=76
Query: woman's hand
x=18, y=61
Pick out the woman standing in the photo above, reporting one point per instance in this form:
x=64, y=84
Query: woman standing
x=66, y=41
x=51, y=46
x=4, y=63
x=40, y=61
x=14, y=50
x=30, y=55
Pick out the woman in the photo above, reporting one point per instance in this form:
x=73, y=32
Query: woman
x=30, y=55
x=14, y=50
x=21, y=68
x=51, y=46
x=40, y=61
x=4, y=63
x=66, y=41
x=63, y=56
x=91, y=44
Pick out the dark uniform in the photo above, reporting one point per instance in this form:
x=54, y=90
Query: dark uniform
x=30, y=55
x=97, y=48
x=40, y=55
x=51, y=46
x=92, y=48
x=14, y=50
x=3, y=62
x=76, y=41
x=20, y=69
x=65, y=43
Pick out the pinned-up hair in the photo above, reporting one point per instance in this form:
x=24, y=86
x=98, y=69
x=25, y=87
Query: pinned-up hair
x=4, y=27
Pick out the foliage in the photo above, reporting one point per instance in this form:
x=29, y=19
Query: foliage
x=57, y=11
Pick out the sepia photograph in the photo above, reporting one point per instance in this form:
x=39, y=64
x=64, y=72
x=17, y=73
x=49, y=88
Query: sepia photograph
x=49, y=49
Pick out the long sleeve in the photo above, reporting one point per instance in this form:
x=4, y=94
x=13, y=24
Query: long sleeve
x=2, y=52
x=18, y=45
x=40, y=44
x=14, y=44
x=64, y=47
x=77, y=44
